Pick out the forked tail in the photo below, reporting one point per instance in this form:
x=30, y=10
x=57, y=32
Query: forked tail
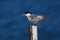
x=48, y=19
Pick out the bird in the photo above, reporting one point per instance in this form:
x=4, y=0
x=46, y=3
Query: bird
x=34, y=19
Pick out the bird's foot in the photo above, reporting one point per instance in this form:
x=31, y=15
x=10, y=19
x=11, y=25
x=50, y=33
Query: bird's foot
x=34, y=24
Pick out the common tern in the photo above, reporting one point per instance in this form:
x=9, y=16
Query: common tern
x=35, y=18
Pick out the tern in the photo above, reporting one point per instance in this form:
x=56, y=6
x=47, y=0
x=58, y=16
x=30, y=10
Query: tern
x=35, y=18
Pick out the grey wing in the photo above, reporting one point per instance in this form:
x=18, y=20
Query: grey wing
x=40, y=17
x=34, y=18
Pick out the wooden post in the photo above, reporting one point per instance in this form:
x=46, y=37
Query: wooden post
x=33, y=32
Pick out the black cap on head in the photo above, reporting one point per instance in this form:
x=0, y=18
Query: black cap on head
x=27, y=12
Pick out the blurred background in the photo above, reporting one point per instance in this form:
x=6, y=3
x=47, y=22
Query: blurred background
x=13, y=26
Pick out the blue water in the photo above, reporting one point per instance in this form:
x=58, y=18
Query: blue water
x=13, y=26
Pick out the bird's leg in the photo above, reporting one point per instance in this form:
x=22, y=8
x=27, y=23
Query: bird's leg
x=34, y=24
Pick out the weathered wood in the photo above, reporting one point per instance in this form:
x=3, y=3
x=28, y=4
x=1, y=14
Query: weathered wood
x=33, y=33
